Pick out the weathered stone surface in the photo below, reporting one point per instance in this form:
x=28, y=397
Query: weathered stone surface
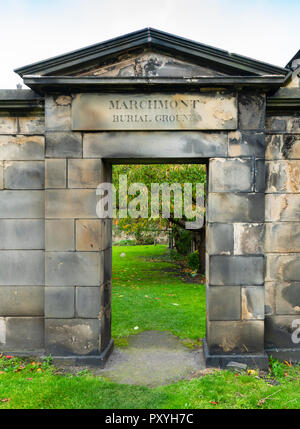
x=231, y=175
x=246, y=144
x=22, y=267
x=249, y=238
x=284, y=268
x=84, y=173
x=32, y=125
x=72, y=269
x=8, y=125
x=270, y=293
x=72, y=336
x=1, y=175
x=59, y=302
x=220, y=238
x=201, y=111
x=60, y=235
x=280, y=146
x=236, y=337
x=63, y=145
x=280, y=332
x=283, y=124
x=58, y=113
x=253, y=303
x=71, y=203
x=288, y=298
x=122, y=145
x=225, y=303
x=24, y=333
x=21, y=300
x=55, y=173
x=239, y=207
x=285, y=207
x=107, y=264
x=252, y=111
x=149, y=64
x=88, y=302
x=283, y=176
x=24, y=174
x=107, y=236
x=236, y=270
x=22, y=234
x=89, y=235
x=260, y=175
x=22, y=204
x=22, y=148
x=282, y=237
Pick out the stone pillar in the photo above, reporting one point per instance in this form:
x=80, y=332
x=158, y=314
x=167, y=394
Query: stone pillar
x=77, y=291
x=235, y=241
x=282, y=241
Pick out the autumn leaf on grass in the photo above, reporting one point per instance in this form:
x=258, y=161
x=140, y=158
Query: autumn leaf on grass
x=214, y=402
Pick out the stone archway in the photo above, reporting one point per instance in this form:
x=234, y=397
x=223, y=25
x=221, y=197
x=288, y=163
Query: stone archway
x=161, y=98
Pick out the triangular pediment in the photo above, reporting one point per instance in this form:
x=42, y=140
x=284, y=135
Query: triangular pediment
x=150, y=52
x=149, y=64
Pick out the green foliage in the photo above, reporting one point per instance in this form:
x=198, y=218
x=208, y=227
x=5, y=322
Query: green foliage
x=193, y=260
x=155, y=173
x=277, y=368
x=182, y=239
x=128, y=242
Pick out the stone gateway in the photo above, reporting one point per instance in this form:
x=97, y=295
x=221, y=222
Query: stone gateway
x=149, y=97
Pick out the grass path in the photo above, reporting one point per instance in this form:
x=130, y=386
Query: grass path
x=148, y=294
x=39, y=385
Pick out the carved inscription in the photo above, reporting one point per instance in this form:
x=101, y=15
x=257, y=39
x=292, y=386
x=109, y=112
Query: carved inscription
x=154, y=112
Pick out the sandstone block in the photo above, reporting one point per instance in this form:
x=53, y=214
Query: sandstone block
x=236, y=270
x=231, y=175
x=22, y=301
x=55, y=173
x=249, y=238
x=84, y=173
x=72, y=269
x=22, y=234
x=59, y=302
x=224, y=303
x=24, y=174
x=22, y=148
x=22, y=204
x=72, y=336
x=22, y=267
x=253, y=303
x=60, y=235
x=63, y=145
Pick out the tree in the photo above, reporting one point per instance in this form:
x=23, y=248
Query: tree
x=162, y=173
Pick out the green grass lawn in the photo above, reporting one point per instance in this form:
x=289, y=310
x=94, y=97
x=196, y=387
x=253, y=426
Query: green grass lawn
x=148, y=295
x=144, y=295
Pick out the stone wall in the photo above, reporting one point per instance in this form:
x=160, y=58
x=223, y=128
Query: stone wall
x=22, y=237
x=282, y=243
x=78, y=244
x=55, y=254
x=235, y=254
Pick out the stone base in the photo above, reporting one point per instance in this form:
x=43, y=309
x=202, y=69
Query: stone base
x=292, y=355
x=220, y=361
x=93, y=360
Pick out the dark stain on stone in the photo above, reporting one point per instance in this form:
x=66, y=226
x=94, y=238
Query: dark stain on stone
x=291, y=294
x=287, y=146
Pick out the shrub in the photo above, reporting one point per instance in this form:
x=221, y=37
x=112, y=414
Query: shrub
x=193, y=261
